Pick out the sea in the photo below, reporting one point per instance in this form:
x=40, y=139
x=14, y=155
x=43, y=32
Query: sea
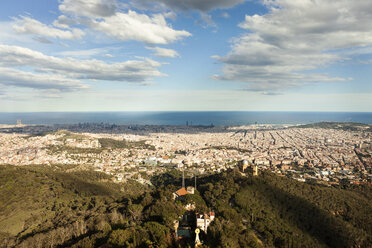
x=216, y=118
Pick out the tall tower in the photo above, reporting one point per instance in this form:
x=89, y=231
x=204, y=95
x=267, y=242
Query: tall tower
x=183, y=179
x=195, y=181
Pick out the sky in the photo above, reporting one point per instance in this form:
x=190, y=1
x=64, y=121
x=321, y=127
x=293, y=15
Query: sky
x=185, y=55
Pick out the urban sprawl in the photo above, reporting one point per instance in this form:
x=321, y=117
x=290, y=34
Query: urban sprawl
x=327, y=156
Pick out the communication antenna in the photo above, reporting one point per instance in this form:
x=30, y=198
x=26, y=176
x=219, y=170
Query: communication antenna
x=195, y=181
x=183, y=179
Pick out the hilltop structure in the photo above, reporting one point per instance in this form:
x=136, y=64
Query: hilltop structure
x=183, y=191
x=204, y=220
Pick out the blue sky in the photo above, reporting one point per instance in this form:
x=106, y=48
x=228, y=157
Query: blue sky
x=143, y=55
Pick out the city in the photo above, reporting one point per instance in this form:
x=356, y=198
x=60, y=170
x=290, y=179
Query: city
x=327, y=156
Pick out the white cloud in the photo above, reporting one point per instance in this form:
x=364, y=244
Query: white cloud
x=27, y=25
x=14, y=77
x=320, y=25
x=207, y=20
x=49, y=94
x=42, y=40
x=164, y=52
x=64, y=22
x=139, y=27
x=91, y=8
x=2, y=94
x=23, y=67
x=87, y=53
x=295, y=37
x=170, y=15
x=103, y=16
x=184, y=5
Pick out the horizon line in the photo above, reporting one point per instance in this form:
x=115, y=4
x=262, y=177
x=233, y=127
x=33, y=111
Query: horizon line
x=154, y=111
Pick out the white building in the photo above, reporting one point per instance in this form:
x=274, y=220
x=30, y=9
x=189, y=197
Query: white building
x=203, y=221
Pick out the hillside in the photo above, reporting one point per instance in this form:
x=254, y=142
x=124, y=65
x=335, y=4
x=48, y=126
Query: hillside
x=347, y=126
x=60, y=207
x=285, y=212
x=39, y=203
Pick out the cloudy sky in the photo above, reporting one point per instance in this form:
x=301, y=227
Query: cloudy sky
x=158, y=55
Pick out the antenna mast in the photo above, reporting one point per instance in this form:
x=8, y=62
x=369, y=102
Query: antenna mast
x=183, y=179
x=195, y=181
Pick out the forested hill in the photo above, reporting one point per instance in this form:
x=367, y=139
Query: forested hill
x=287, y=213
x=347, y=126
x=51, y=207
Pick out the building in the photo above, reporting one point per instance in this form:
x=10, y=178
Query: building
x=243, y=165
x=204, y=220
x=190, y=190
x=255, y=171
x=286, y=167
x=183, y=191
x=179, y=193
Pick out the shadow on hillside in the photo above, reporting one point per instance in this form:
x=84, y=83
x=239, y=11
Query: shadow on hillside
x=311, y=219
x=165, y=179
x=81, y=187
